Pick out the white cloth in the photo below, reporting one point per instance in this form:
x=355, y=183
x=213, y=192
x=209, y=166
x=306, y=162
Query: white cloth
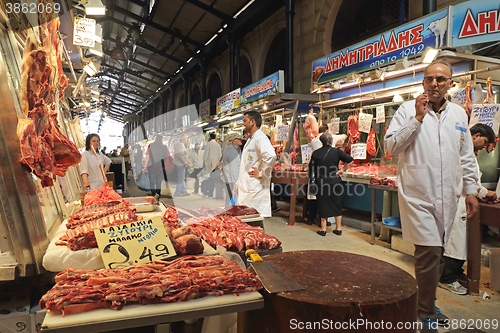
x=436, y=161
x=90, y=165
x=255, y=191
x=212, y=155
x=231, y=163
x=179, y=148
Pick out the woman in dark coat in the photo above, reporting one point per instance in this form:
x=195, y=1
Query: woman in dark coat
x=325, y=162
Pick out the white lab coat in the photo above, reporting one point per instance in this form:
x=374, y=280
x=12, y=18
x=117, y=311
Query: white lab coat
x=90, y=165
x=212, y=155
x=436, y=161
x=255, y=191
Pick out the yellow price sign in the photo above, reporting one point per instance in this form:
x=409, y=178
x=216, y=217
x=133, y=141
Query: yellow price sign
x=133, y=243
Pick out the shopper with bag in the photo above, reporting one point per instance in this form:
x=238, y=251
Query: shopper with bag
x=326, y=183
x=158, y=163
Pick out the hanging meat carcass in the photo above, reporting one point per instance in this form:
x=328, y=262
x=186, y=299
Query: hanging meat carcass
x=371, y=147
x=490, y=99
x=311, y=126
x=352, y=131
x=44, y=148
x=468, y=100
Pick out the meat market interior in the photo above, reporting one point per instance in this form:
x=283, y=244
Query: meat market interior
x=163, y=165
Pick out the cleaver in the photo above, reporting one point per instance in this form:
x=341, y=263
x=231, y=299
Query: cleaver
x=273, y=278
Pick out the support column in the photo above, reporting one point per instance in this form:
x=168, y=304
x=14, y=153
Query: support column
x=289, y=13
x=203, y=71
x=429, y=6
x=237, y=67
x=230, y=43
x=185, y=79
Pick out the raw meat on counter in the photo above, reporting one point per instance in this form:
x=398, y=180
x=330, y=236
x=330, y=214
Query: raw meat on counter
x=183, y=279
x=104, y=194
x=387, y=181
x=96, y=211
x=44, y=148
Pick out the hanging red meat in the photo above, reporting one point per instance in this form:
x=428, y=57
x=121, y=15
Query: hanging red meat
x=387, y=155
x=352, y=131
x=371, y=147
x=468, y=100
x=311, y=126
x=490, y=99
x=44, y=148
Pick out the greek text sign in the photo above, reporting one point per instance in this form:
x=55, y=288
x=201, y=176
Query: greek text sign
x=84, y=32
x=475, y=22
x=486, y=114
x=228, y=101
x=271, y=84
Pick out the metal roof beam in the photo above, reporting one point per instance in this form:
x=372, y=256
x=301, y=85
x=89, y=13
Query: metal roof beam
x=211, y=10
x=131, y=72
x=154, y=25
x=150, y=67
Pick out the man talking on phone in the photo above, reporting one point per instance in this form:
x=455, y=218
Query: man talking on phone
x=436, y=161
x=253, y=187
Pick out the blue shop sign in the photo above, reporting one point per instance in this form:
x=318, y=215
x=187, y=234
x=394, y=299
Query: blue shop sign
x=271, y=84
x=405, y=41
x=476, y=22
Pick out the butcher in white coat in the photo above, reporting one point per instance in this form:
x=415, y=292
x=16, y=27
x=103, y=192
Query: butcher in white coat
x=436, y=161
x=253, y=187
x=93, y=164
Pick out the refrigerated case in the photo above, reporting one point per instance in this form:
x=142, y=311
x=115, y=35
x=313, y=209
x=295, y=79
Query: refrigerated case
x=29, y=213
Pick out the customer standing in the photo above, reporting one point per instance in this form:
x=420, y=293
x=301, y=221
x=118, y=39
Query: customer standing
x=325, y=165
x=436, y=160
x=181, y=164
x=211, y=158
x=257, y=161
x=231, y=163
x=137, y=160
x=197, y=159
x=126, y=157
x=157, y=155
x=94, y=164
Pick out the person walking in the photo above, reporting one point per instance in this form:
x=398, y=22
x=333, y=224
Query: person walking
x=211, y=158
x=325, y=165
x=254, y=179
x=181, y=164
x=231, y=163
x=436, y=161
x=197, y=159
x=137, y=158
x=94, y=164
x=157, y=155
x=126, y=157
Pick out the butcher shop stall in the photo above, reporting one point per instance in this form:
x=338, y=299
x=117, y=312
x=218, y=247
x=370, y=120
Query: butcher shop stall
x=367, y=82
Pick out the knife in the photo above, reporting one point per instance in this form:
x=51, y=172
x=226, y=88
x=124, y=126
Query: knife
x=273, y=278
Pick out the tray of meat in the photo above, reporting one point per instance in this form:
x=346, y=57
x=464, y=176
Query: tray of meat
x=143, y=204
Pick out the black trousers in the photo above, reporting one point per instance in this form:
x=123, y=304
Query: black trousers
x=312, y=210
x=452, y=270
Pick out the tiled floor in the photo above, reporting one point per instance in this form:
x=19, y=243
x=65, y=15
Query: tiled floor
x=303, y=237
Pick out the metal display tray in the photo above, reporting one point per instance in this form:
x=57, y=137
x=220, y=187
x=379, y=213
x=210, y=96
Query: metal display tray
x=141, y=205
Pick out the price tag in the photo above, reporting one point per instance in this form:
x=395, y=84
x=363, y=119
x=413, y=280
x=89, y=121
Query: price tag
x=132, y=243
x=333, y=127
x=282, y=133
x=488, y=114
x=84, y=32
x=279, y=120
x=358, y=151
x=365, y=122
x=306, y=151
x=476, y=94
x=380, y=114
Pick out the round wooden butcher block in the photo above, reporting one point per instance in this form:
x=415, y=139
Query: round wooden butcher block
x=344, y=292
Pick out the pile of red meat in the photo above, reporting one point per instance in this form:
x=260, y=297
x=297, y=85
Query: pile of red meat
x=81, y=224
x=224, y=230
x=387, y=181
x=158, y=282
x=44, y=148
x=372, y=169
x=103, y=195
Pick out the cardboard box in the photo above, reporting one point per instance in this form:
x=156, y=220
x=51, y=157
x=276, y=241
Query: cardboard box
x=14, y=312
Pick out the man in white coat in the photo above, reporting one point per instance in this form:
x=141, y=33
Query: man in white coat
x=253, y=187
x=436, y=161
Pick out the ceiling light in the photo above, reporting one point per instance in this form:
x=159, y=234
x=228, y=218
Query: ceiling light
x=429, y=55
x=189, y=60
x=95, y=8
x=397, y=98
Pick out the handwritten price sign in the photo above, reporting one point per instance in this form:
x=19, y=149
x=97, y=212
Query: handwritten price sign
x=488, y=114
x=282, y=133
x=358, y=151
x=458, y=96
x=132, y=243
x=84, y=32
x=365, y=122
x=306, y=151
x=333, y=127
x=380, y=114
